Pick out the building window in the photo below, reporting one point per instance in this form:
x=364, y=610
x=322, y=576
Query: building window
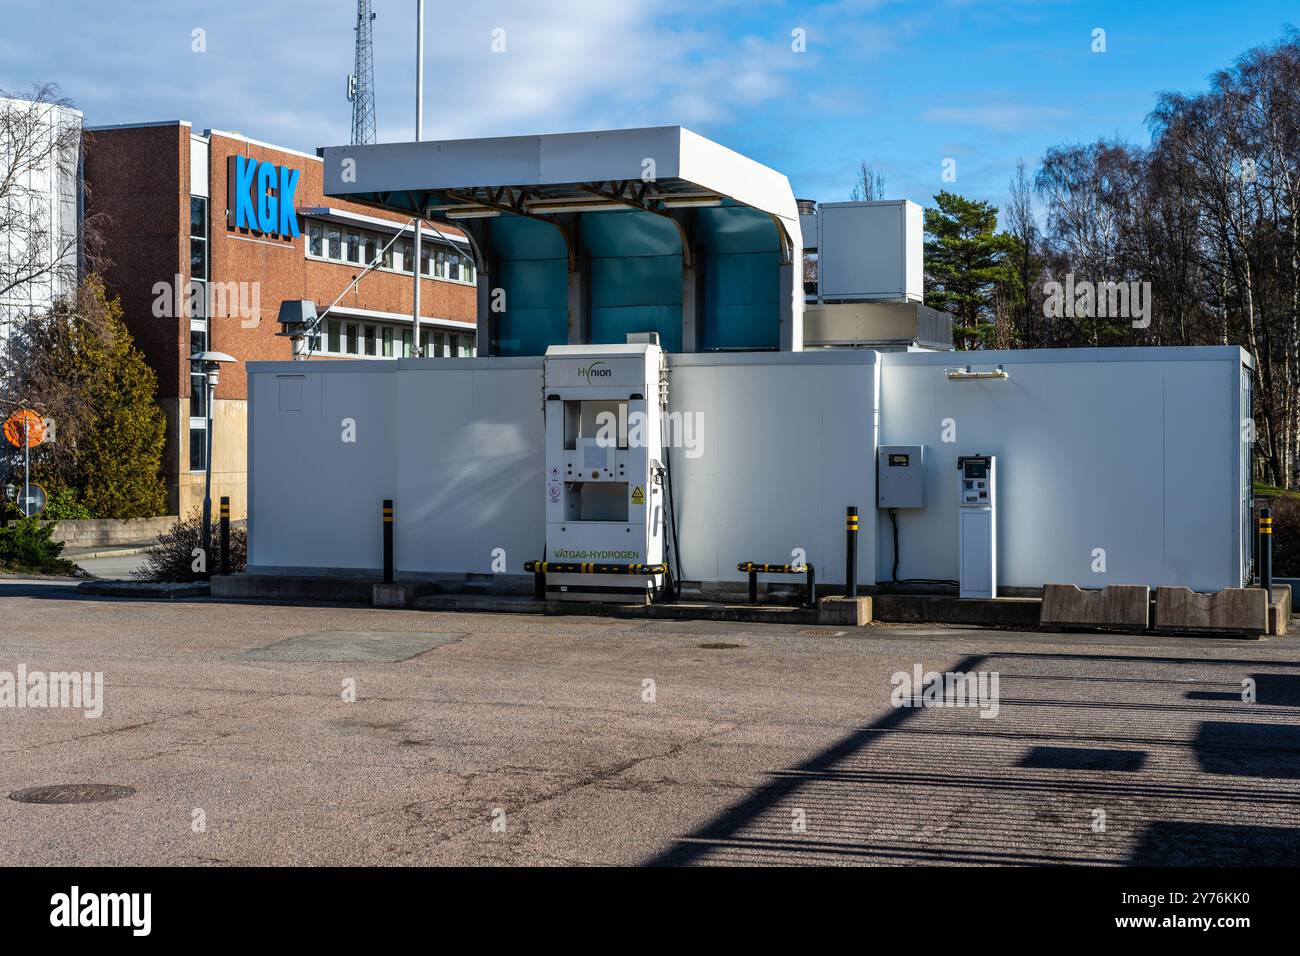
x=370, y=340
x=335, y=328
x=406, y=343
x=352, y=338
x=354, y=247
x=388, y=255
x=467, y=269
x=388, y=343
x=315, y=237
x=453, y=266
x=333, y=243
x=198, y=448
x=372, y=247
x=425, y=253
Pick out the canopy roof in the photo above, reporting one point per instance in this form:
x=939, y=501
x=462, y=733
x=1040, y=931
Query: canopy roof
x=655, y=169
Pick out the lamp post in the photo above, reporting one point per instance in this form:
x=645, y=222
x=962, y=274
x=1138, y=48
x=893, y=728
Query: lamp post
x=208, y=363
x=419, y=212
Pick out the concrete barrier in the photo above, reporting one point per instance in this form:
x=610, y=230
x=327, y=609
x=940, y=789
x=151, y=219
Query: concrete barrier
x=1240, y=610
x=1121, y=606
x=1279, y=609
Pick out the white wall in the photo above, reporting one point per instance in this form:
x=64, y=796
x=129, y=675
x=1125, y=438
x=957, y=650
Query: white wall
x=315, y=501
x=1134, y=451
x=471, y=465
x=456, y=443
x=788, y=444
x=1130, y=450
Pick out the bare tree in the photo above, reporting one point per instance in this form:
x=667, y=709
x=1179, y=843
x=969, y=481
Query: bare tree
x=869, y=185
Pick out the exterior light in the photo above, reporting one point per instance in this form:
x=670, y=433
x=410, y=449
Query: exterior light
x=966, y=374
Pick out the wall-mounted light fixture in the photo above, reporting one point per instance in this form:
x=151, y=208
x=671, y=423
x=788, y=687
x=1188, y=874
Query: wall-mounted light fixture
x=965, y=373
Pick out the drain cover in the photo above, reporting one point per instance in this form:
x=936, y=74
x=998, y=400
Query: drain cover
x=72, y=793
x=720, y=646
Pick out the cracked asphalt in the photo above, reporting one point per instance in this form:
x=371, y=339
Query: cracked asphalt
x=518, y=739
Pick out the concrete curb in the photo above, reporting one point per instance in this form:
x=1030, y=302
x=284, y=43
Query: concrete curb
x=106, y=553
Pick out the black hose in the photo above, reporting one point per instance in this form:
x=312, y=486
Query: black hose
x=893, y=577
x=893, y=517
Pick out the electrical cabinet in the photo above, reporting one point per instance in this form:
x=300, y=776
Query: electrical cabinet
x=900, y=476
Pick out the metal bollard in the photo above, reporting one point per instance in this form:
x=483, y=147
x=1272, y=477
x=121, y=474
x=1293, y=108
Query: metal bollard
x=1266, y=550
x=851, y=553
x=753, y=585
x=225, y=534
x=812, y=585
x=388, y=540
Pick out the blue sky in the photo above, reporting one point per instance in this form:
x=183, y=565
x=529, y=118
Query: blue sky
x=903, y=85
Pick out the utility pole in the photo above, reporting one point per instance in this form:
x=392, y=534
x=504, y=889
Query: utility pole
x=419, y=133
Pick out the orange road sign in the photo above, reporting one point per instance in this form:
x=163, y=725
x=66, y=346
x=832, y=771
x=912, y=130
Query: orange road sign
x=35, y=428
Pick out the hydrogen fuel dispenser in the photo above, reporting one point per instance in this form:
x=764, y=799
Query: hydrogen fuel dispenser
x=977, y=530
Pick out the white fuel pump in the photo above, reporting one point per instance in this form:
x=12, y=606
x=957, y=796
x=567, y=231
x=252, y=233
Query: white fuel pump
x=604, y=499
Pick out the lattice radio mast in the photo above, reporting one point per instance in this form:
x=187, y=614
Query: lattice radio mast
x=361, y=82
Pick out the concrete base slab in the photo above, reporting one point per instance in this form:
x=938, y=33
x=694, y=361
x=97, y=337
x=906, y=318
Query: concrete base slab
x=277, y=588
x=948, y=609
x=1122, y=606
x=1241, y=610
x=845, y=611
x=145, y=590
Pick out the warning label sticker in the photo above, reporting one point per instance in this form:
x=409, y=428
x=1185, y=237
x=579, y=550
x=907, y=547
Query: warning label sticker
x=638, y=498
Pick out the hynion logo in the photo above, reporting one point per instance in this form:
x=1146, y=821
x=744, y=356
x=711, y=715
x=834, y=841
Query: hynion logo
x=595, y=370
x=260, y=197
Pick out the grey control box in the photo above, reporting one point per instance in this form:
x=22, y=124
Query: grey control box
x=900, y=476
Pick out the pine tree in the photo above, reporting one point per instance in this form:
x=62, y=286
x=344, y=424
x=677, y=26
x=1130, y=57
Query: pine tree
x=966, y=264
x=79, y=366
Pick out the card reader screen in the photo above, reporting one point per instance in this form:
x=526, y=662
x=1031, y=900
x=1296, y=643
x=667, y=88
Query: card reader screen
x=896, y=461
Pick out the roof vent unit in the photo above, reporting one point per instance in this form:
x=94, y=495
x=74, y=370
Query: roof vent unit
x=870, y=252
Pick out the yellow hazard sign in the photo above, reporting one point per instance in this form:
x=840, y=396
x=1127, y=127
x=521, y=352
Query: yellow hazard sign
x=638, y=497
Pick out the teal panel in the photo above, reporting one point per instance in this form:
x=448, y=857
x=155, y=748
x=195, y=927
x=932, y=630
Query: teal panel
x=537, y=311
x=530, y=331
x=611, y=325
x=735, y=229
x=642, y=280
x=607, y=234
x=516, y=237
x=741, y=301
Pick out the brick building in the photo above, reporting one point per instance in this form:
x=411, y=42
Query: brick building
x=199, y=266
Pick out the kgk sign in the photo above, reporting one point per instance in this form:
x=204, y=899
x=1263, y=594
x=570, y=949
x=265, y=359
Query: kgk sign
x=260, y=197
